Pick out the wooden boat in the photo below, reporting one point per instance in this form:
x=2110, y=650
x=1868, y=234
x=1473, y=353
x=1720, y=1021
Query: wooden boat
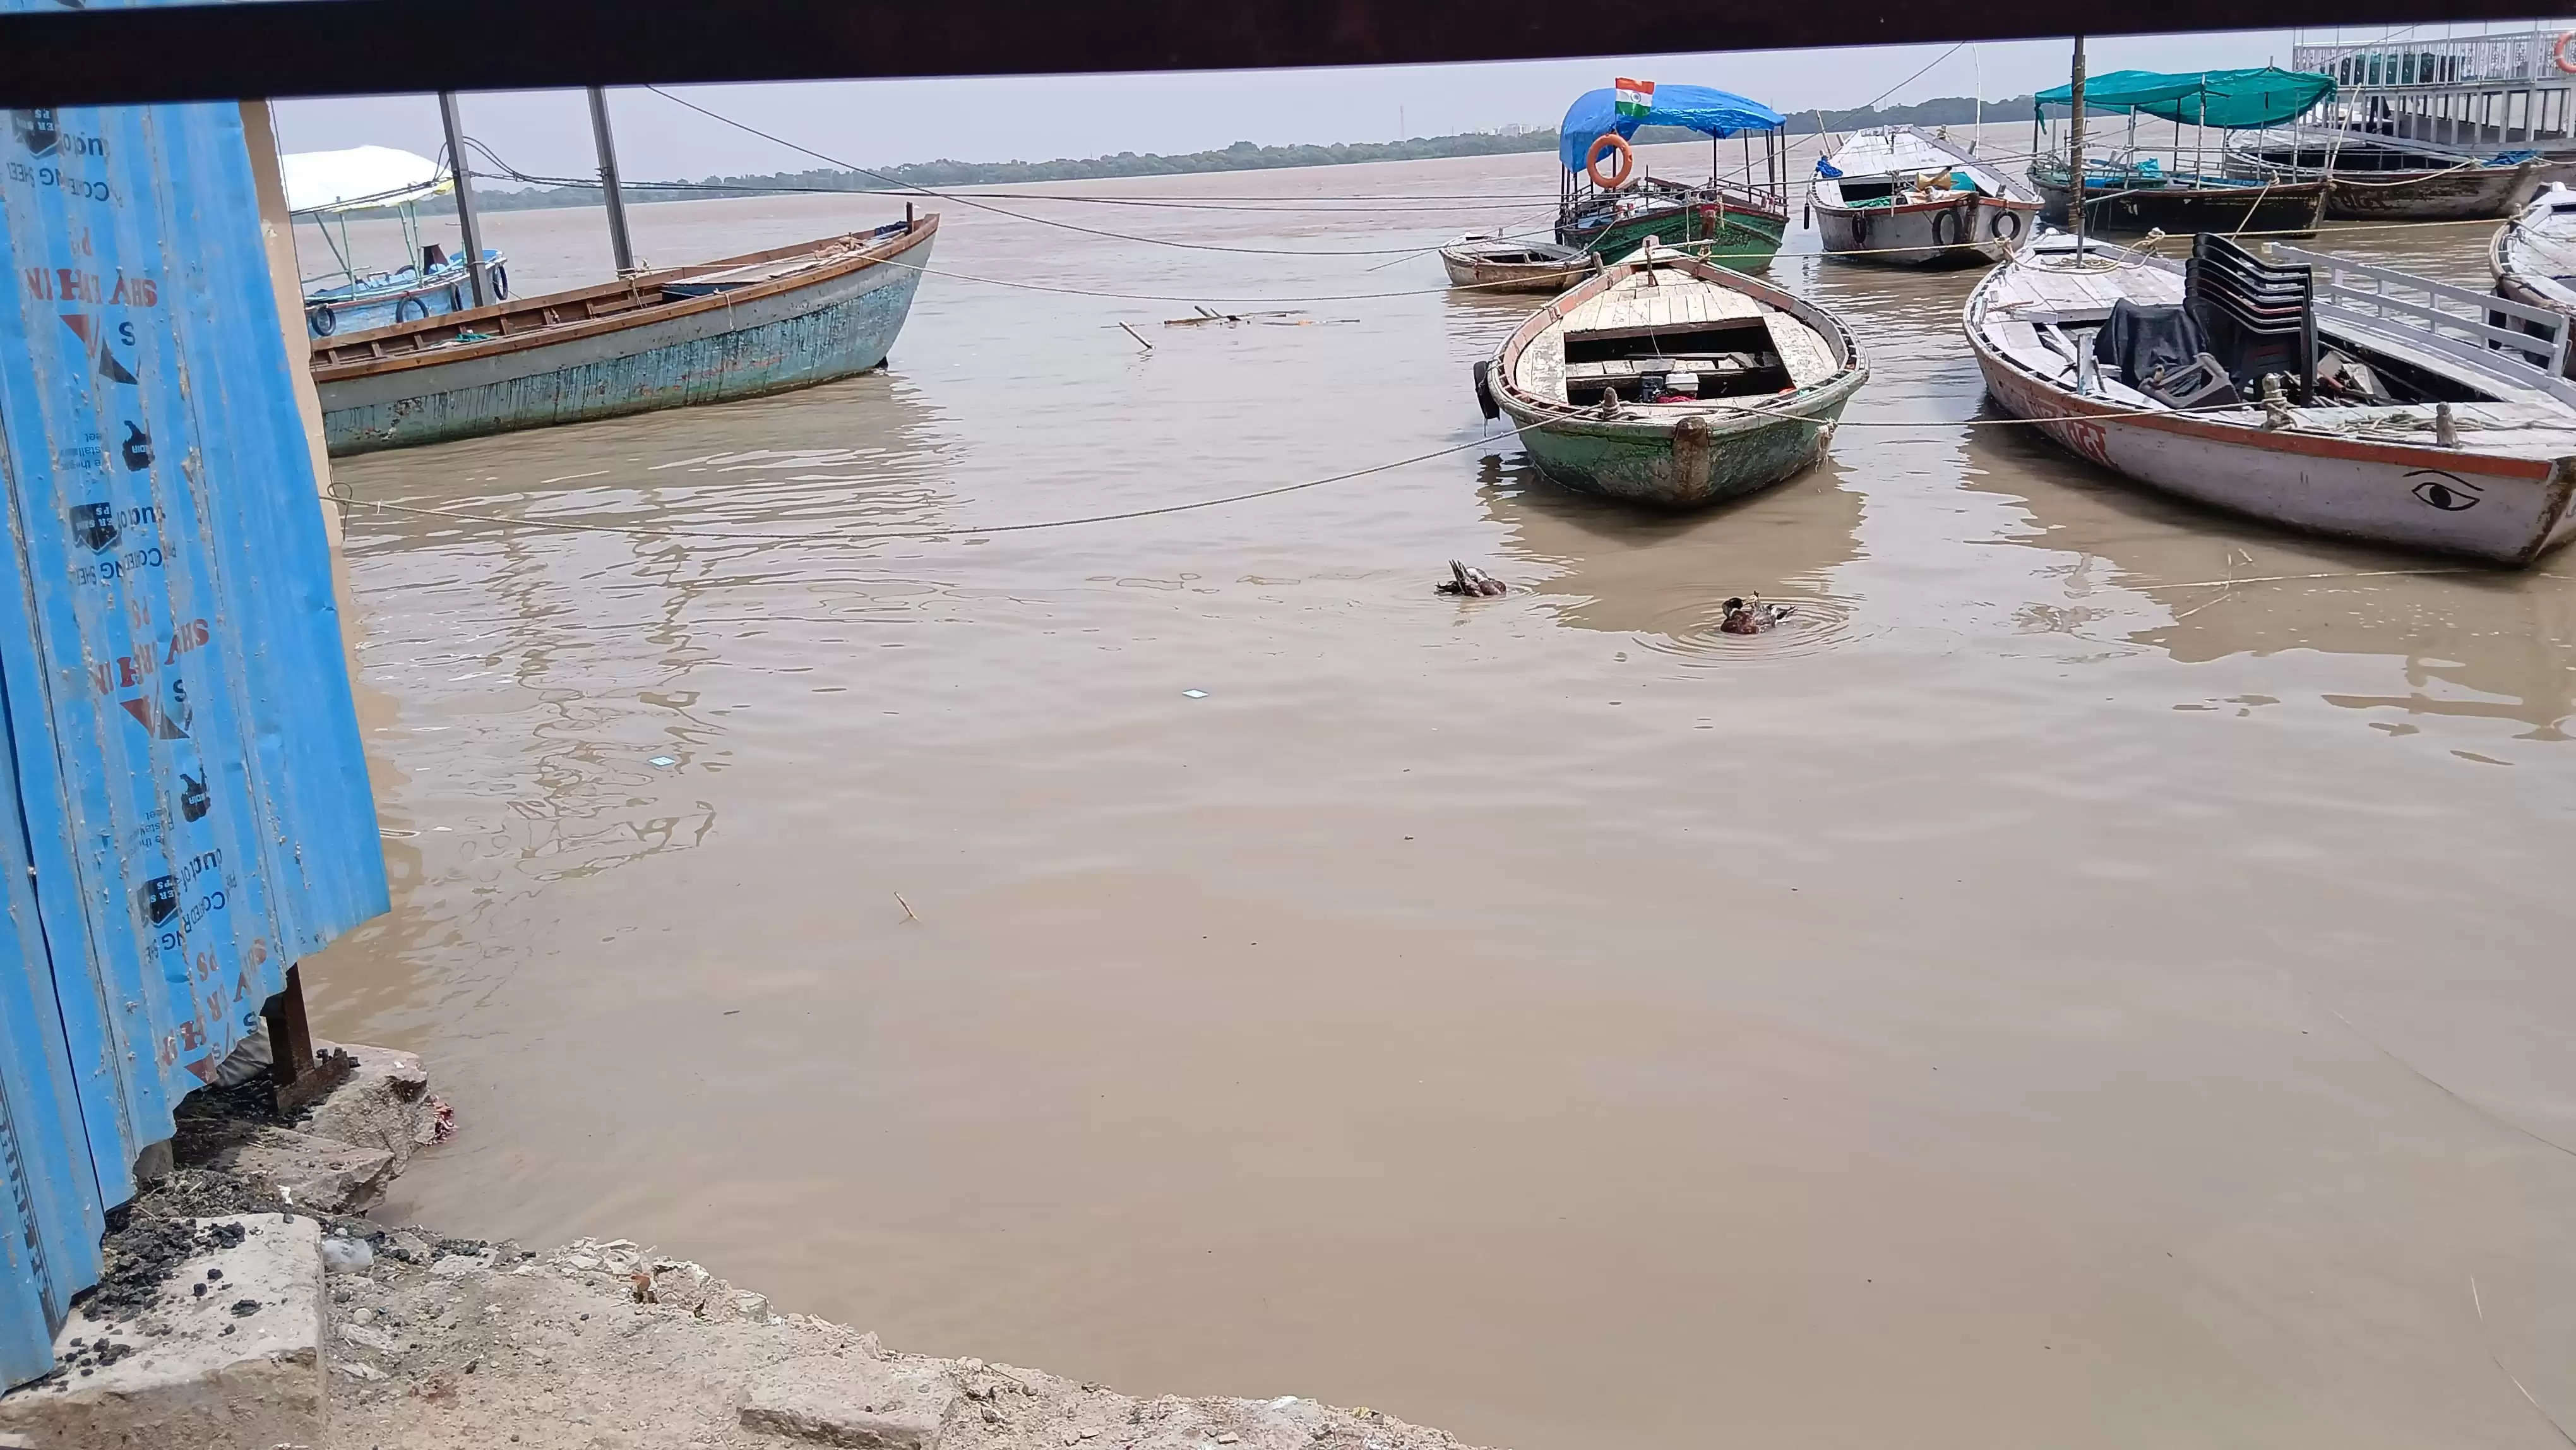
x=2400, y=414
x=1902, y=197
x=1492, y=263
x=323, y=187
x=2534, y=255
x=2370, y=178
x=2129, y=198
x=2134, y=193
x=759, y=323
x=1671, y=381
x=1737, y=220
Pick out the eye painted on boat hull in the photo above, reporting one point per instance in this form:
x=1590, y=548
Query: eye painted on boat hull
x=2444, y=491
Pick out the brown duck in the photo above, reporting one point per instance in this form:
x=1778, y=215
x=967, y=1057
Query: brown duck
x=1749, y=615
x=1471, y=581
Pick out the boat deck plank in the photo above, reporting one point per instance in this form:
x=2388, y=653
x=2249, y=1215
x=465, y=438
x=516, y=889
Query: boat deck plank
x=1542, y=367
x=1634, y=308
x=2039, y=293
x=1802, y=353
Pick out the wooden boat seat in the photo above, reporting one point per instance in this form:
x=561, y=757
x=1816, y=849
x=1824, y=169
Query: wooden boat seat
x=2021, y=342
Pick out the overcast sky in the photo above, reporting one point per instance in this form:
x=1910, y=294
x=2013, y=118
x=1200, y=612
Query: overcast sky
x=874, y=123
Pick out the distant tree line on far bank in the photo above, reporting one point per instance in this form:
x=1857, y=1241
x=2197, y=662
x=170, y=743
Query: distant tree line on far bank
x=1241, y=156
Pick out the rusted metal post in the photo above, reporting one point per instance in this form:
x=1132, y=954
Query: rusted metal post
x=618, y=241
x=290, y=1038
x=465, y=222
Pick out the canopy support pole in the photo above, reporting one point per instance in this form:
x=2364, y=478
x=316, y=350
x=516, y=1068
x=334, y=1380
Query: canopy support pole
x=618, y=242
x=2075, y=157
x=465, y=222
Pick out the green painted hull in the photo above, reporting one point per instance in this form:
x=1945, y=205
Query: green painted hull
x=1661, y=465
x=1744, y=241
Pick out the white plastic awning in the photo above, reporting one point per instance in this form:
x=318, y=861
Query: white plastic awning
x=360, y=176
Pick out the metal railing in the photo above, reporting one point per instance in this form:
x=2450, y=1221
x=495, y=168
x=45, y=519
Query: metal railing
x=2454, y=321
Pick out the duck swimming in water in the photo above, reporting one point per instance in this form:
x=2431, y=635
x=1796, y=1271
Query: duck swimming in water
x=1471, y=581
x=1749, y=615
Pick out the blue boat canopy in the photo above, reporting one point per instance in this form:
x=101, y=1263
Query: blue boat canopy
x=2233, y=99
x=1596, y=114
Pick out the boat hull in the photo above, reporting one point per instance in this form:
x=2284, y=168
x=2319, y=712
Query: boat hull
x=2469, y=194
x=2368, y=491
x=835, y=327
x=2291, y=209
x=1487, y=276
x=1743, y=240
x=1651, y=465
x=1970, y=232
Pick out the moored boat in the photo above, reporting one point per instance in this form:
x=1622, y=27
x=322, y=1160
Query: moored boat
x=2370, y=178
x=1492, y=263
x=1609, y=203
x=2124, y=197
x=1674, y=382
x=2533, y=256
x=760, y=323
x=324, y=187
x=1903, y=197
x=2133, y=193
x=2311, y=391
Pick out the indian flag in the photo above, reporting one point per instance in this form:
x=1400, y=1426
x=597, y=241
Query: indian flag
x=1635, y=98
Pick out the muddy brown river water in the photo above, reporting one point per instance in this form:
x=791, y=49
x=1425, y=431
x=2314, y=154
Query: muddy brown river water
x=2046, y=995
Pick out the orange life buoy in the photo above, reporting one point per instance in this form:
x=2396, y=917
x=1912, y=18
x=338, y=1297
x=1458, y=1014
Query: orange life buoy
x=2564, y=52
x=1618, y=177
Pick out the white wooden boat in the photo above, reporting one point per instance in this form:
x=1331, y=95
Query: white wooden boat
x=2359, y=441
x=1489, y=262
x=1900, y=196
x=2533, y=256
x=1673, y=381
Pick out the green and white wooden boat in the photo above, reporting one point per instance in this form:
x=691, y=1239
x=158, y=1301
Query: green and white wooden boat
x=1673, y=382
x=1609, y=201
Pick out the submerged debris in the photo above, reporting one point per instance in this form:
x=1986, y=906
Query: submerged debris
x=1236, y=319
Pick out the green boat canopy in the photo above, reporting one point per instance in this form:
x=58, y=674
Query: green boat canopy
x=2235, y=99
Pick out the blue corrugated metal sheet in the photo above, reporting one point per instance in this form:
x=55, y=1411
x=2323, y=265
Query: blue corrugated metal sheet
x=190, y=789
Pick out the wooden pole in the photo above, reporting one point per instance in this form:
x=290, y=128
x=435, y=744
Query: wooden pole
x=618, y=242
x=465, y=222
x=2075, y=156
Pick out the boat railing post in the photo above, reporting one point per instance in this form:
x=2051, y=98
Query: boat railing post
x=618, y=242
x=465, y=222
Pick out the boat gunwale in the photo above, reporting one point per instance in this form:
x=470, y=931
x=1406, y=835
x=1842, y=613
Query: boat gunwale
x=921, y=230
x=1790, y=407
x=2520, y=284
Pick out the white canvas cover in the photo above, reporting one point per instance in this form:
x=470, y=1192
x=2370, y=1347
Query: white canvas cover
x=359, y=176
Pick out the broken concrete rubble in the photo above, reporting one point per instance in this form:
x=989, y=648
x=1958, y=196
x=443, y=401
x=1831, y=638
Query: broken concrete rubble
x=191, y=1367
x=384, y=1104
x=323, y=1175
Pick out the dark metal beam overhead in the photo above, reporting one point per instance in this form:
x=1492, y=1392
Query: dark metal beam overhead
x=75, y=56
